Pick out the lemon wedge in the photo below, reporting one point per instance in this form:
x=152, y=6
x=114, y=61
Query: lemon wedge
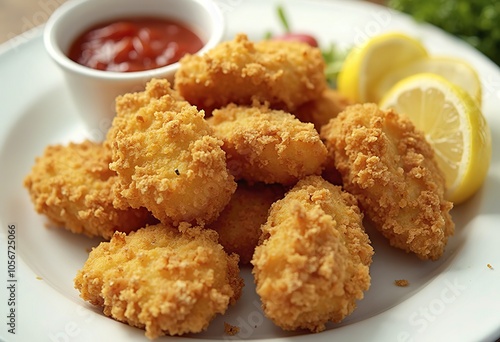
x=452, y=123
x=455, y=70
x=366, y=65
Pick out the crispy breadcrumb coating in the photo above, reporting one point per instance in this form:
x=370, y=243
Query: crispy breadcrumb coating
x=161, y=280
x=390, y=167
x=320, y=110
x=166, y=157
x=239, y=223
x=266, y=145
x=73, y=186
x=286, y=74
x=313, y=263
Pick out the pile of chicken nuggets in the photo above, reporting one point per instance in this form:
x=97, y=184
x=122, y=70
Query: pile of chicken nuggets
x=247, y=160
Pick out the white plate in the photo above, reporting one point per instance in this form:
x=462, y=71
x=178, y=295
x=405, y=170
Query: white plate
x=456, y=298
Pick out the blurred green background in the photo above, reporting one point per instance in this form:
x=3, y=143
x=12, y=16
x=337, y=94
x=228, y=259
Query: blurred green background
x=475, y=21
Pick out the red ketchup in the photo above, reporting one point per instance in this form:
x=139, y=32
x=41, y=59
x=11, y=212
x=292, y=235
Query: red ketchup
x=134, y=44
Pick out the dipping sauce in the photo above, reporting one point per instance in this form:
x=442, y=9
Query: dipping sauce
x=134, y=44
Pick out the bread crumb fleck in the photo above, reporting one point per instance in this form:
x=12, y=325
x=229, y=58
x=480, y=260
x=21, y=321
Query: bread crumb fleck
x=402, y=282
x=231, y=330
x=489, y=266
x=39, y=278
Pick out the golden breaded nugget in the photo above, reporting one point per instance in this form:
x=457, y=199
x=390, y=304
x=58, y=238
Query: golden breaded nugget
x=167, y=159
x=320, y=110
x=313, y=263
x=161, y=280
x=286, y=74
x=239, y=223
x=73, y=186
x=266, y=145
x=390, y=167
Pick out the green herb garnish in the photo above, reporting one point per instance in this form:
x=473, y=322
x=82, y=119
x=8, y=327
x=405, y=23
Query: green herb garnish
x=283, y=19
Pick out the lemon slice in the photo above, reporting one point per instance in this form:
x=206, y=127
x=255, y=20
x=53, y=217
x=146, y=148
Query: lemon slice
x=455, y=70
x=365, y=66
x=453, y=124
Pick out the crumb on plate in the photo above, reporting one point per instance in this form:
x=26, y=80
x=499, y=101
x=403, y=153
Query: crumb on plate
x=231, y=330
x=402, y=282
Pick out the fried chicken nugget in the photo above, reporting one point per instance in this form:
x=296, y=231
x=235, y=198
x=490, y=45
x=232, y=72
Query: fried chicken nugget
x=239, y=223
x=267, y=145
x=73, y=186
x=161, y=280
x=166, y=157
x=313, y=263
x=319, y=111
x=390, y=167
x=286, y=74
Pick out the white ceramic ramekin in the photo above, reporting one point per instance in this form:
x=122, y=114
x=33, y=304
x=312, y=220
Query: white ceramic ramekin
x=94, y=91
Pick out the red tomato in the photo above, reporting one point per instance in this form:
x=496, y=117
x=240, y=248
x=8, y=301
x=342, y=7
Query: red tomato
x=299, y=37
